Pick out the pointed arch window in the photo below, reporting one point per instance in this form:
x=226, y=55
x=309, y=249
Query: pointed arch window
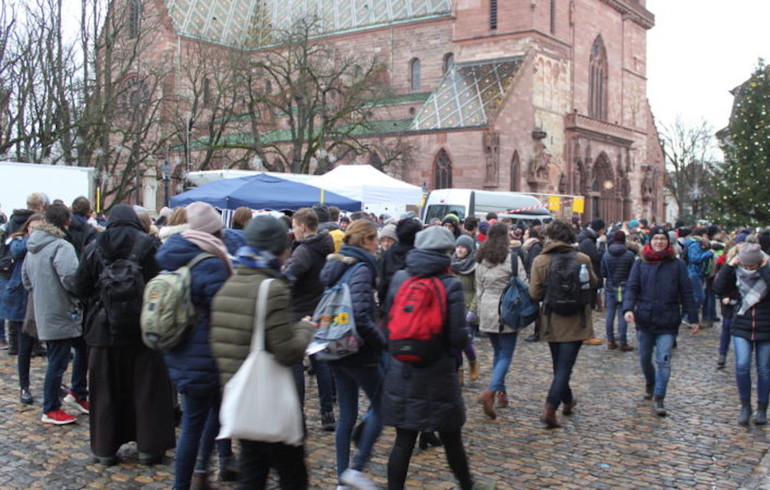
x=414, y=75
x=597, y=81
x=443, y=171
x=134, y=18
x=553, y=16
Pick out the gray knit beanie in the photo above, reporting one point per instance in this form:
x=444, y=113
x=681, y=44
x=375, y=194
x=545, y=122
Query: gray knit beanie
x=435, y=238
x=267, y=233
x=750, y=254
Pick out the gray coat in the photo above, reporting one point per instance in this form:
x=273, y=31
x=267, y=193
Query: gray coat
x=49, y=271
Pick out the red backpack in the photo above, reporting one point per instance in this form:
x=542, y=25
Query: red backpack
x=416, y=320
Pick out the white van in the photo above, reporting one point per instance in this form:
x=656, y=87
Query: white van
x=468, y=202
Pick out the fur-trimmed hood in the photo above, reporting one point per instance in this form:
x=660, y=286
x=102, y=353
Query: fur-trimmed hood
x=165, y=232
x=44, y=234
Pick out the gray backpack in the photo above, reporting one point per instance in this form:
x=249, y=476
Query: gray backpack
x=168, y=314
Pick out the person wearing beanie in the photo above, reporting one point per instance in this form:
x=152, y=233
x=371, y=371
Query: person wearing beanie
x=388, y=237
x=746, y=277
x=304, y=265
x=191, y=365
x=325, y=223
x=394, y=258
x=616, y=267
x=452, y=223
x=362, y=370
x=464, y=268
x=427, y=398
x=657, y=292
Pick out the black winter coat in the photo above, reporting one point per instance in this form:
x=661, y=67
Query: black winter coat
x=428, y=398
x=754, y=324
x=17, y=220
x=81, y=233
x=657, y=293
x=124, y=231
x=533, y=252
x=392, y=261
x=616, y=265
x=587, y=245
x=304, y=265
x=361, y=284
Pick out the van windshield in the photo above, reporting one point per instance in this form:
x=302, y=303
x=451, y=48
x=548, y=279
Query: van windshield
x=441, y=210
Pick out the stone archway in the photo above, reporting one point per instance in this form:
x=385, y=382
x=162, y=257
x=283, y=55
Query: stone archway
x=604, y=203
x=442, y=171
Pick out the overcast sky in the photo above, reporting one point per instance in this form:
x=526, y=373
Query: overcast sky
x=698, y=51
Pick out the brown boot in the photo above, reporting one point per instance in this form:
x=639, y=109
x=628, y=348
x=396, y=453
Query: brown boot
x=487, y=400
x=566, y=409
x=625, y=348
x=612, y=345
x=549, y=417
x=200, y=481
x=461, y=376
x=474, y=369
x=502, y=399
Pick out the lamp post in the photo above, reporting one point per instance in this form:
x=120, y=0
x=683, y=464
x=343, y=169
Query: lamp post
x=165, y=172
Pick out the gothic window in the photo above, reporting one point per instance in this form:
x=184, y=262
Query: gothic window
x=443, y=171
x=206, y=96
x=515, y=172
x=134, y=18
x=137, y=93
x=449, y=61
x=493, y=14
x=597, y=80
x=553, y=16
x=414, y=74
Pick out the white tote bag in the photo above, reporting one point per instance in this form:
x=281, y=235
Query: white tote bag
x=260, y=403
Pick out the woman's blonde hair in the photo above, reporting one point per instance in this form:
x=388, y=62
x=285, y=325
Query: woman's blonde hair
x=178, y=216
x=241, y=218
x=358, y=230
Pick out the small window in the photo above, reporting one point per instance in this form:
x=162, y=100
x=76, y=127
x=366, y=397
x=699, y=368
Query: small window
x=493, y=14
x=206, y=96
x=449, y=61
x=553, y=16
x=414, y=74
x=134, y=18
x=443, y=171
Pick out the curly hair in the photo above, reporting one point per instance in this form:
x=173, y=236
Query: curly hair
x=560, y=230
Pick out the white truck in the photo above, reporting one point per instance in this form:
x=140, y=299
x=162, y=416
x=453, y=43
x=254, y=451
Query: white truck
x=470, y=202
x=19, y=180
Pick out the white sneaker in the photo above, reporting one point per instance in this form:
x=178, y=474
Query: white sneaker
x=356, y=480
x=81, y=406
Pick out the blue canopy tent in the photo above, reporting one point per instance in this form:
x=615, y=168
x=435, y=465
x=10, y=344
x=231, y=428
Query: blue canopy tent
x=262, y=191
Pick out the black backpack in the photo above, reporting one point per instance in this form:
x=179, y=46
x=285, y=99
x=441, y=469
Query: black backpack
x=121, y=288
x=6, y=259
x=565, y=295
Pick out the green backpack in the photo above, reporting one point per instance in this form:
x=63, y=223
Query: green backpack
x=168, y=314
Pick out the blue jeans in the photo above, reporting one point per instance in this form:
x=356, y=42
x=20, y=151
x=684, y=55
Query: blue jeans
x=614, y=308
x=709, y=301
x=563, y=357
x=698, y=294
x=743, y=349
x=200, y=426
x=503, y=344
x=724, y=338
x=663, y=344
x=58, y=359
x=349, y=380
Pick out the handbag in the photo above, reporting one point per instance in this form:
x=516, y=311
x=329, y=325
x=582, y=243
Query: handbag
x=260, y=402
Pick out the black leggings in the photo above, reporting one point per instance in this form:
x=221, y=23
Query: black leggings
x=398, y=463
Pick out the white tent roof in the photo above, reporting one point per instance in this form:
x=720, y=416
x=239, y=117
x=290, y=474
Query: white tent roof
x=367, y=184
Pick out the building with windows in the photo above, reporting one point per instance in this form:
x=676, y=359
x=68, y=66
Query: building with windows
x=542, y=96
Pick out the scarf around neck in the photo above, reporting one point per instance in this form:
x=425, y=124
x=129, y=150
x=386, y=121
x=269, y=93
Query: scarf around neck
x=751, y=286
x=211, y=244
x=650, y=255
x=464, y=266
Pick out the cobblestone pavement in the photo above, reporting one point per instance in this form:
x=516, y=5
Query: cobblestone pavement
x=613, y=440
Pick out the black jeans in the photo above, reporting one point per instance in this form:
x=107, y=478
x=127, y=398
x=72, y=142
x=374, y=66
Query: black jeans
x=25, y=354
x=258, y=457
x=563, y=355
x=401, y=454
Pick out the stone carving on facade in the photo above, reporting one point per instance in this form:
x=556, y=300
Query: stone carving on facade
x=492, y=157
x=539, y=163
x=647, y=185
x=563, y=183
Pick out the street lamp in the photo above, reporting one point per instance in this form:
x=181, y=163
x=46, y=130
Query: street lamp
x=165, y=173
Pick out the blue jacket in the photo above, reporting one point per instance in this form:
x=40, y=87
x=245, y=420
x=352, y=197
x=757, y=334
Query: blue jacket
x=697, y=257
x=616, y=265
x=191, y=365
x=14, y=296
x=361, y=284
x=657, y=293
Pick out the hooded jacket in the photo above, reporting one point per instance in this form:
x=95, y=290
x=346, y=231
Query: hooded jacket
x=49, y=271
x=428, y=398
x=191, y=365
x=557, y=328
x=14, y=298
x=361, y=284
x=616, y=265
x=81, y=233
x=657, y=293
x=17, y=220
x=124, y=232
x=304, y=265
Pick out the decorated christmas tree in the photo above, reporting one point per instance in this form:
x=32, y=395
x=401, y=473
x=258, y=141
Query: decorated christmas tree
x=743, y=182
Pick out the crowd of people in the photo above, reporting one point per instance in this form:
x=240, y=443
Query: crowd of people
x=55, y=301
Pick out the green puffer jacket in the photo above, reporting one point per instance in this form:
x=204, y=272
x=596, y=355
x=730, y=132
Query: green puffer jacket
x=232, y=321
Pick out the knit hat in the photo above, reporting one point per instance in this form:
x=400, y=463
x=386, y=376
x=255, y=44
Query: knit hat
x=203, y=217
x=267, y=233
x=659, y=230
x=406, y=229
x=484, y=227
x=322, y=210
x=451, y=218
x=619, y=237
x=741, y=237
x=465, y=241
x=750, y=254
x=633, y=223
x=597, y=224
x=435, y=238
x=389, y=231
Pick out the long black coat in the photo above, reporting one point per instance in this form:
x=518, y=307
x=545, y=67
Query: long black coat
x=754, y=324
x=428, y=398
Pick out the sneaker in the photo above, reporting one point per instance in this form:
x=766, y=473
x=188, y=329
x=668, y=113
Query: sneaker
x=328, y=422
x=356, y=480
x=81, y=406
x=658, y=408
x=57, y=417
